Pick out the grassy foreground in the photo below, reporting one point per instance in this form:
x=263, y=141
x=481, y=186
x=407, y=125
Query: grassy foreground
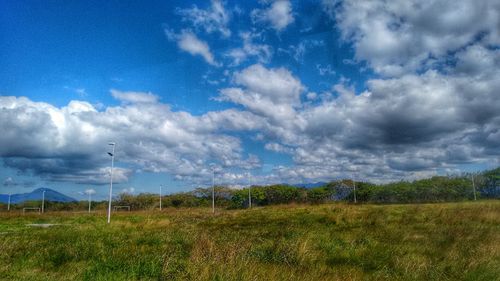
x=454, y=241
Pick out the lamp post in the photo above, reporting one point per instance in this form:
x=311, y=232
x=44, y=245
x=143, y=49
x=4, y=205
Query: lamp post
x=213, y=190
x=354, y=185
x=249, y=197
x=43, y=201
x=90, y=200
x=112, y=154
x=473, y=187
x=160, y=197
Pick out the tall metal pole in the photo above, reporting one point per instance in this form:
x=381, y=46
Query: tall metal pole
x=43, y=201
x=8, y=205
x=160, y=197
x=473, y=187
x=111, y=182
x=354, y=184
x=213, y=190
x=249, y=197
x=90, y=200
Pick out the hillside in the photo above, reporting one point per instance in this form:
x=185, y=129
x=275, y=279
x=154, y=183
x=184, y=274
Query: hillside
x=36, y=195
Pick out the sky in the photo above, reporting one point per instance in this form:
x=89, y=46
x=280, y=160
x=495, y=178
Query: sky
x=261, y=92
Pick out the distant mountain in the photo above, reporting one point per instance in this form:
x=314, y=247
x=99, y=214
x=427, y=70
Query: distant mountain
x=310, y=185
x=50, y=195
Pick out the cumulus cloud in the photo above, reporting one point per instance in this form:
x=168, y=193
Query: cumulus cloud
x=400, y=37
x=276, y=84
x=402, y=127
x=266, y=92
x=432, y=105
x=420, y=116
x=213, y=19
x=189, y=42
x=279, y=14
x=70, y=143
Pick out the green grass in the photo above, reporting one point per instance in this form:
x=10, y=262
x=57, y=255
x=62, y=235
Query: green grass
x=454, y=241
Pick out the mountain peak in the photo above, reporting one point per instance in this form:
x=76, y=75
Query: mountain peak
x=36, y=195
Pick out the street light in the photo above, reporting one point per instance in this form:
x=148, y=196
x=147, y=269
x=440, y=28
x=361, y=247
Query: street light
x=354, y=185
x=473, y=187
x=160, y=197
x=249, y=197
x=213, y=190
x=43, y=201
x=112, y=154
x=90, y=200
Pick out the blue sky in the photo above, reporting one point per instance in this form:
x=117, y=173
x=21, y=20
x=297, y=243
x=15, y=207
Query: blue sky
x=266, y=91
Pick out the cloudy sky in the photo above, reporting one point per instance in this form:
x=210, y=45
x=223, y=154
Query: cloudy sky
x=264, y=91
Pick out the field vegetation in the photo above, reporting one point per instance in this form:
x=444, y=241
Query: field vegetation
x=334, y=241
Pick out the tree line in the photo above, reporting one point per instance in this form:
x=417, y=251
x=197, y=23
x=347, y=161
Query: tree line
x=435, y=189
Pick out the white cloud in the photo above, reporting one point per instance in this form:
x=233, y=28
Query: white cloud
x=213, y=19
x=129, y=190
x=400, y=37
x=277, y=84
x=405, y=127
x=276, y=147
x=262, y=52
x=81, y=92
x=279, y=14
x=189, y=42
x=433, y=105
x=9, y=181
x=476, y=59
x=271, y=93
x=89, y=191
x=325, y=70
x=402, y=127
x=311, y=95
x=134, y=97
x=297, y=52
x=69, y=143
x=232, y=120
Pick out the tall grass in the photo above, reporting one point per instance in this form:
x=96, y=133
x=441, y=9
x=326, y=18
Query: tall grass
x=454, y=241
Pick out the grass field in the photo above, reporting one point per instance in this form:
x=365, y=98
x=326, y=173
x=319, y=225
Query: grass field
x=453, y=241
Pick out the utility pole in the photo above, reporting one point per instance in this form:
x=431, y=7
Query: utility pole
x=112, y=154
x=249, y=197
x=473, y=187
x=90, y=200
x=43, y=201
x=354, y=185
x=213, y=190
x=160, y=197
